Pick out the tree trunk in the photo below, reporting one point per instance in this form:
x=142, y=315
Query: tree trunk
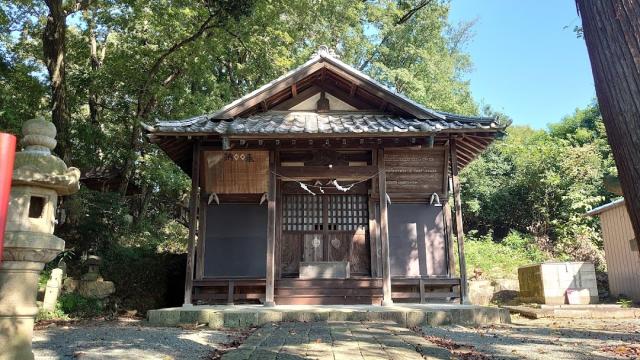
x=96, y=63
x=53, y=46
x=612, y=33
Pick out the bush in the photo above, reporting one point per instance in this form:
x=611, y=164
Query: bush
x=80, y=306
x=500, y=260
x=145, y=279
x=56, y=314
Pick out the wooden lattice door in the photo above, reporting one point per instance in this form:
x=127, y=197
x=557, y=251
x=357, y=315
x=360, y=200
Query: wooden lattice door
x=325, y=228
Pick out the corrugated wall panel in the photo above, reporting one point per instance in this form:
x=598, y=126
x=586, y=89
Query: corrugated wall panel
x=623, y=263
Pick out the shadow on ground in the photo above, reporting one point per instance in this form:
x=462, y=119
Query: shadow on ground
x=113, y=340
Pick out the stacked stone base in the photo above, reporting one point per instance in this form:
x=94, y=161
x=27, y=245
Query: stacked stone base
x=240, y=317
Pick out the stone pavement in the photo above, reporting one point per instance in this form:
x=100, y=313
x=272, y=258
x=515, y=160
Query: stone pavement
x=336, y=341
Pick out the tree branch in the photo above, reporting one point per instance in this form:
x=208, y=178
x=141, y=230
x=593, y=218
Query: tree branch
x=155, y=68
x=408, y=15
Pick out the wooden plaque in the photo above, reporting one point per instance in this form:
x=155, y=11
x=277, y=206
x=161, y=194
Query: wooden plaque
x=414, y=171
x=236, y=172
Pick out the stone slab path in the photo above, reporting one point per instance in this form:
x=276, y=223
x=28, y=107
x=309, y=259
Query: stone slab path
x=336, y=341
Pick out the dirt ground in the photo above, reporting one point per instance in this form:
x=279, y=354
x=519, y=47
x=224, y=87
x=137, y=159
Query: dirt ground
x=545, y=339
x=524, y=339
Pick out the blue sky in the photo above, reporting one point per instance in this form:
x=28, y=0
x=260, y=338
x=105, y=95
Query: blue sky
x=526, y=64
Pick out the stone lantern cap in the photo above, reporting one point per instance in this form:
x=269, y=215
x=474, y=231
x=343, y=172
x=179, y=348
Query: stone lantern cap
x=93, y=260
x=35, y=165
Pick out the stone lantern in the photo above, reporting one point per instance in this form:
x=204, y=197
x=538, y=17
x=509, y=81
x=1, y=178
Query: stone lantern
x=38, y=179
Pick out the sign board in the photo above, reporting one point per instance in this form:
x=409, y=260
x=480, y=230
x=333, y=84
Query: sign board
x=415, y=171
x=236, y=172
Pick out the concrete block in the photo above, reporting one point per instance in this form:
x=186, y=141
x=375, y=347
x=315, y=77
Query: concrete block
x=439, y=318
x=296, y=316
x=248, y=319
x=163, y=317
x=216, y=320
x=398, y=317
x=416, y=318
x=267, y=317
x=194, y=316
x=232, y=320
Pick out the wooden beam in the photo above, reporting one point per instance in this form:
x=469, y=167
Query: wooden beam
x=352, y=90
x=459, y=230
x=200, y=245
x=271, y=233
x=298, y=98
x=230, y=291
x=384, y=232
x=351, y=100
x=373, y=238
x=193, y=217
x=381, y=93
x=239, y=107
x=324, y=172
x=294, y=90
x=446, y=211
x=476, y=144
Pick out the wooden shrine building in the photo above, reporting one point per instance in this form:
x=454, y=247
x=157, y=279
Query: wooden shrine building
x=324, y=187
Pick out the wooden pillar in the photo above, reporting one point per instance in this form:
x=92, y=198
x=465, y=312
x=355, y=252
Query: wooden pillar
x=200, y=245
x=384, y=232
x=459, y=230
x=271, y=233
x=446, y=210
x=446, y=213
x=193, y=219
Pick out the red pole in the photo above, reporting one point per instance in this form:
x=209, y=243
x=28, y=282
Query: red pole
x=7, y=155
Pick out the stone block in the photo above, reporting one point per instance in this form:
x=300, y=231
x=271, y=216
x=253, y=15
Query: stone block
x=439, y=318
x=324, y=270
x=416, y=318
x=480, y=292
x=267, y=317
x=194, y=316
x=506, y=285
x=216, y=320
x=96, y=289
x=70, y=285
x=163, y=317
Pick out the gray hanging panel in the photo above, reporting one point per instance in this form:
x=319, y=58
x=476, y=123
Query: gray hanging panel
x=417, y=245
x=236, y=240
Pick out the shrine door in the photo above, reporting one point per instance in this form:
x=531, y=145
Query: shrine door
x=325, y=228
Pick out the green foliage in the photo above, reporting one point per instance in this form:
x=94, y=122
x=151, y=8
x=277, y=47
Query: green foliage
x=56, y=314
x=77, y=305
x=144, y=279
x=624, y=301
x=541, y=183
x=500, y=260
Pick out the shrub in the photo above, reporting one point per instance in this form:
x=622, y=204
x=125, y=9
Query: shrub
x=80, y=306
x=500, y=260
x=56, y=314
x=145, y=279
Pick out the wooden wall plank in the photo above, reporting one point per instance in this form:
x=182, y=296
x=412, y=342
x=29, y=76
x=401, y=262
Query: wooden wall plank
x=236, y=171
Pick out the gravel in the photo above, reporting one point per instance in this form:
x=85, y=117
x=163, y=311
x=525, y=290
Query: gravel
x=524, y=339
x=126, y=340
x=548, y=338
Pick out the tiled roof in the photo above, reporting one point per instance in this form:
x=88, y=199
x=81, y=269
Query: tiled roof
x=280, y=123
